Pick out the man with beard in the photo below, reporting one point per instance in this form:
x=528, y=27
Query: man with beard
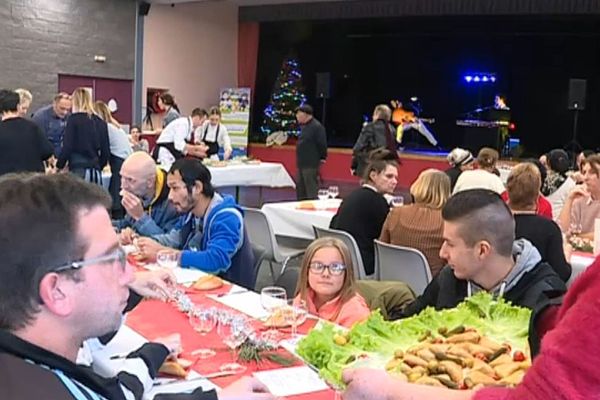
x=211, y=234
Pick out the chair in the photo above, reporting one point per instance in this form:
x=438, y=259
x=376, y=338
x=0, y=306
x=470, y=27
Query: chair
x=359, y=268
x=398, y=263
x=261, y=234
x=289, y=280
x=259, y=257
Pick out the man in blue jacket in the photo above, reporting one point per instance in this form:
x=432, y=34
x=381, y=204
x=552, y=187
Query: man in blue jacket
x=144, y=197
x=211, y=233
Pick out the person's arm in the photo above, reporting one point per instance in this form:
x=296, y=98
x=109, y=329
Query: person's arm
x=225, y=142
x=564, y=219
x=68, y=142
x=225, y=234
x=104, y=143
x=45, y=147
x=556, y=254
x=321, y=139
x=428, y=298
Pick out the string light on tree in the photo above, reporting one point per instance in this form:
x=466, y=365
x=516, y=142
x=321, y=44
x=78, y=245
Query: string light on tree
x=287, y=95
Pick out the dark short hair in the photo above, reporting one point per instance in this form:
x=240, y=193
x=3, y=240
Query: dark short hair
x=558, y=160
x=168, y=99
x=191, y=171
x=39, y=223
x=214, y=111
x=482, y=215
x=378, y=161
x=305, y=108
x=9, y=101
x=62, y=95
x=199, y=112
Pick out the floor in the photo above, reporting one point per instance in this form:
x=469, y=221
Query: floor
x=255, y=197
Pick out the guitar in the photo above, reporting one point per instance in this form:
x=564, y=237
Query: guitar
x=402, y=117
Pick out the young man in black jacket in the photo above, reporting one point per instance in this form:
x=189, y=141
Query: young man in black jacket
x=311, y=151
x=65, y=280
x=482, y=254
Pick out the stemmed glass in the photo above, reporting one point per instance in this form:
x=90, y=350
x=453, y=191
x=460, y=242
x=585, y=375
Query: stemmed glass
x=234, y=331
x=323, y=194
x=272, y=298
x=202, y=321
x=167, y=259
x=296, y=314
x=575, y=229
x=334, y=191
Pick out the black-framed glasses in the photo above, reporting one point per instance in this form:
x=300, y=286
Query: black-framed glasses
x=117, y=255
x=333, y=268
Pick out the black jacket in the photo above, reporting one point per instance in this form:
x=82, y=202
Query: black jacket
x=362, y=214
x=374, y=135
x=312, y=145
x=446, y=291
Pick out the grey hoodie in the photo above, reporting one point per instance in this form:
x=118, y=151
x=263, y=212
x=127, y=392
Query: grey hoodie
x=526, y=257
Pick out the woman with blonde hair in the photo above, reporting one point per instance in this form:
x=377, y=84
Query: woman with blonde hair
x=120, y=149
x=86, y=150
x=420, y=225
x=327, y=283
x=25, y=99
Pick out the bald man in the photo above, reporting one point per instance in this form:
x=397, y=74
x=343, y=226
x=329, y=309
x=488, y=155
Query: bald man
x=144, y=197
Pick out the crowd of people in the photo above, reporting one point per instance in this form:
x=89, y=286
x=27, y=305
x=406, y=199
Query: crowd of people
x=64, y=270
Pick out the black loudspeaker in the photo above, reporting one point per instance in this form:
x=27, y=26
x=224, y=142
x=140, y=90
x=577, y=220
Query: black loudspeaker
x=323, y=87
x=577, y=88
x=144, y=8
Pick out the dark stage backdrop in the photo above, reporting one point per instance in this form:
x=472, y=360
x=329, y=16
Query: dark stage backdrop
x=373, y=61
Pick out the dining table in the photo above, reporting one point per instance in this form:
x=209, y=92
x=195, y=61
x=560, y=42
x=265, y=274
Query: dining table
x=579, y=262
x=151, y=319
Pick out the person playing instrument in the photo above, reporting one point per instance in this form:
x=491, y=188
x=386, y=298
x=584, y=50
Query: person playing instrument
x=406, y=120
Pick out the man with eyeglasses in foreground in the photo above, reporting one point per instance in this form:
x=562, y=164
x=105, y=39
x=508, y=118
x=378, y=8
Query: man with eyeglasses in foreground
x=65, y=280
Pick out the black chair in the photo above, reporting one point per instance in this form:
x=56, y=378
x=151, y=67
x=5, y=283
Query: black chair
x=259, y=257
x=288, y=280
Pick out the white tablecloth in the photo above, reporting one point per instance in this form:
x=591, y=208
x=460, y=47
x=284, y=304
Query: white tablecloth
x=579, y=263
x=264, y=174
x=288, y=220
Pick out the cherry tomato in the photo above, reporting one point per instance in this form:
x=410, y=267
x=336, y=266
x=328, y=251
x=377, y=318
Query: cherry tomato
x=518, y=356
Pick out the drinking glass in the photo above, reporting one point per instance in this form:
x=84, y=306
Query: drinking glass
x=296, y=314
x=575, y=229
x=397, y=201
x=272, y=298
x=167, y=259
x=334, y=191
x=202, y=321
x=323, y=194
x=234, y=331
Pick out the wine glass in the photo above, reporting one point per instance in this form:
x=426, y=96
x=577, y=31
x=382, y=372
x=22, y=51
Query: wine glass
x=167, y=259
x=295, y=314
x=397, y=201
x=323, y=194
x=575, y=229
x=272, y=298
x=234, y=331
x=202, y=321
x=334, y=191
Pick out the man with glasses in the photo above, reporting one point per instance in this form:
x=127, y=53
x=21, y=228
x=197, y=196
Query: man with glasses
x=64, y=280
x=144, y=197
x=212, y=236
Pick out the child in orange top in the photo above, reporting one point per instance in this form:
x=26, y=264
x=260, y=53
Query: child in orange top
x=327, y=285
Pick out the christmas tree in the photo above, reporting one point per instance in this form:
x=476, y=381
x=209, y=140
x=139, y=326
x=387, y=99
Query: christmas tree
x=287, y=96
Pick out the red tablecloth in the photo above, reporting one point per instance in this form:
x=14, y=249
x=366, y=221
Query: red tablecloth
x=153, y=318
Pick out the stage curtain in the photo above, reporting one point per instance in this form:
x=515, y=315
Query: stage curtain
x=248, y=36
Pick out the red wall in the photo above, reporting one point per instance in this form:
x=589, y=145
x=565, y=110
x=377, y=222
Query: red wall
x=337, y=167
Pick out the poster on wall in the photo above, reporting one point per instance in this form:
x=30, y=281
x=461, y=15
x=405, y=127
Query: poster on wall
x=235, y=115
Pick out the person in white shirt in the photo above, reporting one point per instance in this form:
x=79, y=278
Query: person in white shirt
x=484, y=177
x=177, y=140
x=214, y=135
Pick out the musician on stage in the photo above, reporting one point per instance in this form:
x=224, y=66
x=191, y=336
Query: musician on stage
x=406, y=120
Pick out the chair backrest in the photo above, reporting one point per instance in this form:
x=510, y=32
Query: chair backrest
x=398, y=263
x=289, y=280
x=359, y=269
x=259, y=256
x=260, y=231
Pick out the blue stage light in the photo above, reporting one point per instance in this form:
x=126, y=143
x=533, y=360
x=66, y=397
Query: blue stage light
x=476, y=79
x=468, y=78
x=493, y=78
x=484, y=78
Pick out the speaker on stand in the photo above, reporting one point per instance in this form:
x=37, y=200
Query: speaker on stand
x=577, y=94
x=323, y=91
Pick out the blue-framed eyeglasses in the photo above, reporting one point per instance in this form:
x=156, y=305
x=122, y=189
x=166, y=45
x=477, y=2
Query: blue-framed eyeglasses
x=334, y=268
x=117, y=255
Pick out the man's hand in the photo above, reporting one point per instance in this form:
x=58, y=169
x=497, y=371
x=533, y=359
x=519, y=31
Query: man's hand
x=126, y=236
x=246, y=388
x=148, y=248
x=172, y=343
x=132, y=204
x=153, y=284
x=226, y=154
